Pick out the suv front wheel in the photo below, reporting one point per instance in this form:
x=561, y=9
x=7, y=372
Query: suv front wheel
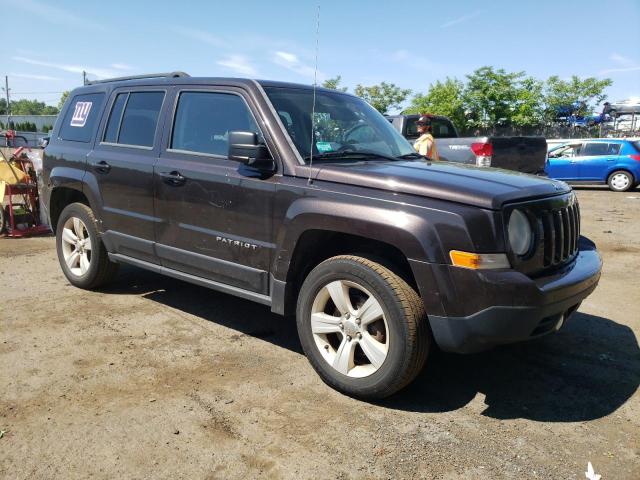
x=81, y=253
x=362, y=327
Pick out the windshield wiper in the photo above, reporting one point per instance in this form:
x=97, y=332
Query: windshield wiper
x=351, y=154
x=409, y=156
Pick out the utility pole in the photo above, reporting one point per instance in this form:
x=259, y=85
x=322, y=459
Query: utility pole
x=84, y=77
x=6, y=91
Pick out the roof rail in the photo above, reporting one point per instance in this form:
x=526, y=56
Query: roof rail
x=138, y=77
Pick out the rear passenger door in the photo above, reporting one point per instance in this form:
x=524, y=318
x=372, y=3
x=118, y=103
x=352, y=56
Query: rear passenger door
x=215, y=214
x=121, y=168
x=596, y=159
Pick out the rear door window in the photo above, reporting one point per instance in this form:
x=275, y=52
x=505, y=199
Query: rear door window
x=203, y=121
x=134, y=118
x=613, y=149
x=440, y=128
x=595, y=149
x=81, y=119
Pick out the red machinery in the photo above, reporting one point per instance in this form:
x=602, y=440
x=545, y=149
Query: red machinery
x=20, y=218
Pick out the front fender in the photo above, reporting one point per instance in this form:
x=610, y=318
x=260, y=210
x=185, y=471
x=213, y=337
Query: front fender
x=412, y=230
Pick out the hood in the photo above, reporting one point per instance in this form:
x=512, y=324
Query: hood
x=478, y=186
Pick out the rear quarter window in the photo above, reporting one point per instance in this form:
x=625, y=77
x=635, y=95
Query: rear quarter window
x=80, y=121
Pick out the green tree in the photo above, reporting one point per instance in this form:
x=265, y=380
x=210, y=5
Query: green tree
x=491, y=95
x=384, y=96
x=529, y=107
x=561, y=93
x=442, y=98
x=32, y=107
x=334, y=83
x=3, y=106
x=63, y=98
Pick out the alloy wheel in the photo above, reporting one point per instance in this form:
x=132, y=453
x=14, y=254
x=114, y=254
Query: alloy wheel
x=349, y=328
x=76, y=246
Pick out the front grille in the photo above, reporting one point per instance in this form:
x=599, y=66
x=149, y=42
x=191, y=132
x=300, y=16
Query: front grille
x=560, y=233
x=556, y=225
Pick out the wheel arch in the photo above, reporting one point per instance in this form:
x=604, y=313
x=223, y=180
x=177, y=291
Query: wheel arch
x=314, y=246
x=60, y=198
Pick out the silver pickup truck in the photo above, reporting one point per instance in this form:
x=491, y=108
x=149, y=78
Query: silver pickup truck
x=522, y=154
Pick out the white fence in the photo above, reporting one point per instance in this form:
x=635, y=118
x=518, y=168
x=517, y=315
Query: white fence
x=40, y=121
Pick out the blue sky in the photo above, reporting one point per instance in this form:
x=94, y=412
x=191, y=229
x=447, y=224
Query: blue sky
x=408, y=43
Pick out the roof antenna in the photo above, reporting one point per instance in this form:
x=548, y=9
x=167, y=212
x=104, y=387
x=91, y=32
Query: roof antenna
x=313, y=107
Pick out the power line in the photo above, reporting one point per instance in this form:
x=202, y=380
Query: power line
x=36, y=93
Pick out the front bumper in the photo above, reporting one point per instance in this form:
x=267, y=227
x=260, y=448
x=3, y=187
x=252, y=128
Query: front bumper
x=507, y=306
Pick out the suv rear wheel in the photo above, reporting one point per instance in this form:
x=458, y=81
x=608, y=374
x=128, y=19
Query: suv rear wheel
x=362, y=327
x=81, y=253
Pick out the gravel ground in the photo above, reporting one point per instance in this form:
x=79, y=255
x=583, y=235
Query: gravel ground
x=155, y=378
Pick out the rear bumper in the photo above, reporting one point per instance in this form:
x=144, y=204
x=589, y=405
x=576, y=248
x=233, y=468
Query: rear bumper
x=521, y=308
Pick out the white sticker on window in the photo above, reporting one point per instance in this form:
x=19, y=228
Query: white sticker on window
x=80, y=114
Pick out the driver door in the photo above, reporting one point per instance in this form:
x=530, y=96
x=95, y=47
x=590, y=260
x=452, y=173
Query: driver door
x=215, y=214
x=564, y=165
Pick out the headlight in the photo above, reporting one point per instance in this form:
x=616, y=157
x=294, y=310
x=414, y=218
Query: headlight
x=520, y=233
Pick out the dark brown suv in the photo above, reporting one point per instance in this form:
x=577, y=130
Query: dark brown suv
x=311, y=203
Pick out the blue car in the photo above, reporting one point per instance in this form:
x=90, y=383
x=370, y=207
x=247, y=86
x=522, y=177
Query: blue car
x=610, y=161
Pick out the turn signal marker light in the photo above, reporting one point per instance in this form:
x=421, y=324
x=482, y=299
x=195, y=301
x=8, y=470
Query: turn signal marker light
x=479, y=261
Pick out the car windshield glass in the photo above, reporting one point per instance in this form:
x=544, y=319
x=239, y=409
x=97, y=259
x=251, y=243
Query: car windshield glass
x=343, y=123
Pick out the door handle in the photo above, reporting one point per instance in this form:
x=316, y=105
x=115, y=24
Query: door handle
x=101, y=167
x=173, y=178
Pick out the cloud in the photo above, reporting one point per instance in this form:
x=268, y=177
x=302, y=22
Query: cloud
x=626, y=65
x=201, y=36
x=416, y=61
x=94, y=71
x=34, y=77
x=238, y=64
x=121, y=66
x=624, y=61
x=625, y=69
x=459, y=20
x=50, y=14
x=291, y=62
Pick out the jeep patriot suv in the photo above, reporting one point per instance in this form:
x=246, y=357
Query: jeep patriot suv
x=313, y=204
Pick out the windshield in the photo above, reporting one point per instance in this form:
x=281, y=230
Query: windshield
x=343, y=123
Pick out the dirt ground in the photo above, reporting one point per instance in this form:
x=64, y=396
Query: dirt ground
x=155, y=378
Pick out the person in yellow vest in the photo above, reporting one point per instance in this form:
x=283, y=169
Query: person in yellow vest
x=426, y=144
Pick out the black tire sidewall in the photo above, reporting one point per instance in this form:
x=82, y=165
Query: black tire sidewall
x=618, y=172
x=80, y=211
x=3, y=219
x=396, y=361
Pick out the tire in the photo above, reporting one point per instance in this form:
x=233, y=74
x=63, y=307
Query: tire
x=620, y=181
x=377, y=350
x=77, y=237
x=3, y=219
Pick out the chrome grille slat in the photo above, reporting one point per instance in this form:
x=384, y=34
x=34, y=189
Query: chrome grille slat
x=558, y=226
x=566, y=228
x=560, y=233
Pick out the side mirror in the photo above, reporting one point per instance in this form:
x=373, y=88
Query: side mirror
x=244, y=147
